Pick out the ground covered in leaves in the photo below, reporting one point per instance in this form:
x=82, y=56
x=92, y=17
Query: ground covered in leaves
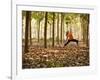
x=55, y=57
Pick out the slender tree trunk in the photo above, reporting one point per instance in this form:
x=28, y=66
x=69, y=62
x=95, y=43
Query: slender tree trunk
x=41, y=32
x=23, y=22
x=61, y=26
x=61, y=30
x=38, y=23
x=83, y=28
x=50, y=31
x=30, y=31
x=82, y=25
x=58, y=28
x=87, y=30
x=45, y=30
x=53, y=29
x=67, y=25
x=50, y=34
x=26, y=32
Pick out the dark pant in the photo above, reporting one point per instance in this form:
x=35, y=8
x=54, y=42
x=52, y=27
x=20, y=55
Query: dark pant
x=72, y=40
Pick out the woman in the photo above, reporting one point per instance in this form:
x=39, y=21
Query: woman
x=70, y=38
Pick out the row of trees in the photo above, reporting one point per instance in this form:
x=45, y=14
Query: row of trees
x=58, y=21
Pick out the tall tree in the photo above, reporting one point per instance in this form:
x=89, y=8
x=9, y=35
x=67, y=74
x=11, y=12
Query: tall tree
x=58, y=28
x=26, y=31
x=23, y=22
x=38, y=30
x=30, y=32
x=63, y=27
x=62, y=20
x=87, y=42
x=53, y=29
x=45, y=30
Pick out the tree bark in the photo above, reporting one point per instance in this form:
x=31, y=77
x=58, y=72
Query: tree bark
x=63, y=28
x=26, y=32
x=45, y=30
x=58, y=28
x=30, y=30
x=53, y=29
x=38, y=31
x=87, y=30
x=50, y=31
x=62, y=19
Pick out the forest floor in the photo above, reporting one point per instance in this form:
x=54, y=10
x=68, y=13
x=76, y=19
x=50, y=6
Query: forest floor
x=69, y=56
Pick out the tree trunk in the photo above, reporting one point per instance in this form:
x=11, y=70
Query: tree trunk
x=50, y=31
x=63, y=28
x=38, y=30
x=83, y=33
x=67, y=25
x=58, y=28
x=45, y=30
x=26, y=32
x=53, y=29
x=30, y=30
x=41, y=32
x=82, y=25
x=62, y=19
x=87, y=43
x=23, y=22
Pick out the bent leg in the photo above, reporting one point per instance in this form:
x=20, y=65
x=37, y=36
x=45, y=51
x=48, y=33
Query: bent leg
x=74, y=40
x=66, y=42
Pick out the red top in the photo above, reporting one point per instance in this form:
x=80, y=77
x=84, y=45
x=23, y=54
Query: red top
x=69, y=36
